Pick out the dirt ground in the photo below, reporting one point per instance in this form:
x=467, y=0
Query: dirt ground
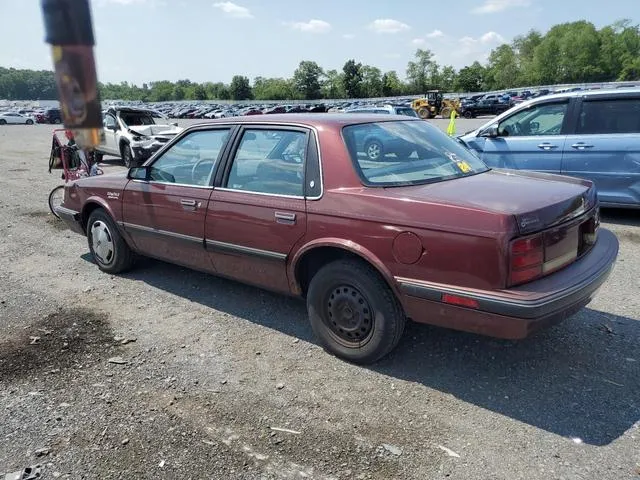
x=168, y=373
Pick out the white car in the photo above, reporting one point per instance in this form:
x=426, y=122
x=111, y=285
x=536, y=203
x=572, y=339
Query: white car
x=17, y=118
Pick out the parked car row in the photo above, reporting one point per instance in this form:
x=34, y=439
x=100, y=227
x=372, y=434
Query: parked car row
x=31, y=116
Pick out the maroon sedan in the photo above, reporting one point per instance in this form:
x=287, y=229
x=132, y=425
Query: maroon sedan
x=296, y=204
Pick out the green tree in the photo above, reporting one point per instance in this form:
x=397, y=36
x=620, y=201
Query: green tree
x=352, y=79
x=391, y=84
x=273, y=89
x=333, y=85
x=240, y=89
x=306, y=80
x=420, y=71
x=371, y=82
x=503, y=70
x=470, y=79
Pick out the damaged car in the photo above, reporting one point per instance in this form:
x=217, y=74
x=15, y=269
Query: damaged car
x=134, y=134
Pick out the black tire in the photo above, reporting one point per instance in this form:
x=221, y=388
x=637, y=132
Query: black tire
x=353, y=312
x=126, y=155
x=374, y=150
x=55, y=199
x=57, y=121
x=29, y=122
x=114, y=255
x=467, y=114
x=3, y=121
x=424, y=113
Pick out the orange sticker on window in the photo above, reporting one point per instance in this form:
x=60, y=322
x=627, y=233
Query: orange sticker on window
x=464, y=167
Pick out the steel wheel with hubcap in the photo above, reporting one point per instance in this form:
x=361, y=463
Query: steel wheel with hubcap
x=109, y=250
x=353, y=312
x=374, y=150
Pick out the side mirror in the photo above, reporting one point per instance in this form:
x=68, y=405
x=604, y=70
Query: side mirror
x=139, y=173
x=490, y=132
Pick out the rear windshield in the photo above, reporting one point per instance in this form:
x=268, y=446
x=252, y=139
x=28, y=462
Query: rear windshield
x=407, y=153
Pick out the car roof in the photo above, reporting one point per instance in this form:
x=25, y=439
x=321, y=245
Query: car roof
x=329, y=120
x=589, y=93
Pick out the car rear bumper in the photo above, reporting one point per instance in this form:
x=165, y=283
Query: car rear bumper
x=516, y=312
x=72, y=218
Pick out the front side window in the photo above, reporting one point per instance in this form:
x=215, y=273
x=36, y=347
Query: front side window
x=545, y=119
x=109, y=121
x=191, y=160
x=133, y=119
x=609, y=116
x=269, y=161
x=407, y=152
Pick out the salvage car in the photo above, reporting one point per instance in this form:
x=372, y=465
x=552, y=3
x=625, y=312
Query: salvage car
x=295, y=205
x=586, y=134
x=134, y=134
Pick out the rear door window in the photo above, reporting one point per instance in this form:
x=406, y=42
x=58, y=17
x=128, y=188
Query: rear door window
x=609, y=116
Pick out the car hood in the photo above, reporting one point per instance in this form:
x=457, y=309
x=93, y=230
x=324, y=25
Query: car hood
x=152, y=130
x=536, y=200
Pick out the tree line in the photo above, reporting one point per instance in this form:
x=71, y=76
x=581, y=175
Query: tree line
x=574, y=52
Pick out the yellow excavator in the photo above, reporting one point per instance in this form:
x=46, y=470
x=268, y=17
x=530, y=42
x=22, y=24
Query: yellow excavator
x=434, y=104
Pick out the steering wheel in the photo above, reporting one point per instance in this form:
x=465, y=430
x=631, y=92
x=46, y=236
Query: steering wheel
x=195, y=168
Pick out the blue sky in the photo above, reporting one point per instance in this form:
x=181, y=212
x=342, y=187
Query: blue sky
x=211, y=40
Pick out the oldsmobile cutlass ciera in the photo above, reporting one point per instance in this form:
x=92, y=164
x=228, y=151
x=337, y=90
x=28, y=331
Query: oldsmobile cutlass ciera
x=293, y=203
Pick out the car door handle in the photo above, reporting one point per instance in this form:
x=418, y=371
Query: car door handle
x=581, y=146
x=187, y=203
x=547, y=146
x=285, y=217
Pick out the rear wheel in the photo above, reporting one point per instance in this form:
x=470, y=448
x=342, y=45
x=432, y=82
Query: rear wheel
x=3, y=121
x=108, y=249
x=29, y=122
x=445, y=112
x=468, y=114
x=56, y=198
x=353, y=312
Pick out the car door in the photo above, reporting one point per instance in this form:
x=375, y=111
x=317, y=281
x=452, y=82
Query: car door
x=530, y=139
x=605, y=147
x=110, y=141
x=164, y=214
x=258, y=213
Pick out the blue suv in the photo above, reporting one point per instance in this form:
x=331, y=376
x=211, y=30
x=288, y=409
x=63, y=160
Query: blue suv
x=593, y=135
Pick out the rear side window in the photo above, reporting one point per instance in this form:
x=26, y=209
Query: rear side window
x=609, y=116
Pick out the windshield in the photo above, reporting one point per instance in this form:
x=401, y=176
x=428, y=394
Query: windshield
x=133, y=119
x=407, y=153
x=409, y=112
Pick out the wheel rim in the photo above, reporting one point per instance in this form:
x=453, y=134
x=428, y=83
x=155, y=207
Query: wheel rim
x=55, y=199
x=374, y=151
x=102, y=242
x=348, y=316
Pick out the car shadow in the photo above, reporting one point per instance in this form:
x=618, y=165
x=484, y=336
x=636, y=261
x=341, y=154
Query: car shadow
x=578, y=379
x=620, y=216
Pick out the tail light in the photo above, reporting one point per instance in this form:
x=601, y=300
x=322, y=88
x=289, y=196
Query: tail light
x=527, y=259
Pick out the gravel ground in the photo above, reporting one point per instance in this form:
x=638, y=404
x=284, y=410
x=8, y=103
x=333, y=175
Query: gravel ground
x=168, y=373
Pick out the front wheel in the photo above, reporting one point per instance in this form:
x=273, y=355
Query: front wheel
x=108, y=249
x=3, y=121
x=353, y=312
x=56, y=197
x=127, y=155
x=29, y=122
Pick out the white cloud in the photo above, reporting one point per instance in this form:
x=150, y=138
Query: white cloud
x=388, y=25
x=435, y=34
x=495, y=6
x=348, y=36
x=233, y=10
x=492, y=37
x=312, y=26
x=418, y=42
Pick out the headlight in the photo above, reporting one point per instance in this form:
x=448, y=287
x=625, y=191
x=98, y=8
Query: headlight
x=139, y=138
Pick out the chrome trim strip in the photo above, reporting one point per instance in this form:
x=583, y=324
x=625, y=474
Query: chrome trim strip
x=223, y=189
x=155, y=182
x=155, y=231
x=256, y=252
